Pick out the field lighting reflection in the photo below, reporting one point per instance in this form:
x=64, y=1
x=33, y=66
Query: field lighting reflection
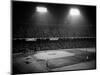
x=41, y=9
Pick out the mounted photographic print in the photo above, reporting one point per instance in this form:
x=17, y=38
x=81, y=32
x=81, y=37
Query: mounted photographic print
x=52, y=37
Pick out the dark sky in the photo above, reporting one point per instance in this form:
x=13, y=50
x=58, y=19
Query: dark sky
x=27, y=23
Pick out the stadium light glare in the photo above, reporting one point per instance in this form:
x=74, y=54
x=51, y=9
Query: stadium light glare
x=41, y=9
x=74, y=12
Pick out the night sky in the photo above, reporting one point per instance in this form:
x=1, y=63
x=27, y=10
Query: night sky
x=27, y=23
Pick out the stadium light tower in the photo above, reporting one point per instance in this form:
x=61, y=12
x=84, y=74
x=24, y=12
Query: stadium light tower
x=75, y=17
x=74, y=12
x=41, y=9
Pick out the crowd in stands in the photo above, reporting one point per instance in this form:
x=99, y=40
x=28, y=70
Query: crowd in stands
x=43, y=32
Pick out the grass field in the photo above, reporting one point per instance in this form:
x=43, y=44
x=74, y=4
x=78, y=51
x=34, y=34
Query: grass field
x=54, y=60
